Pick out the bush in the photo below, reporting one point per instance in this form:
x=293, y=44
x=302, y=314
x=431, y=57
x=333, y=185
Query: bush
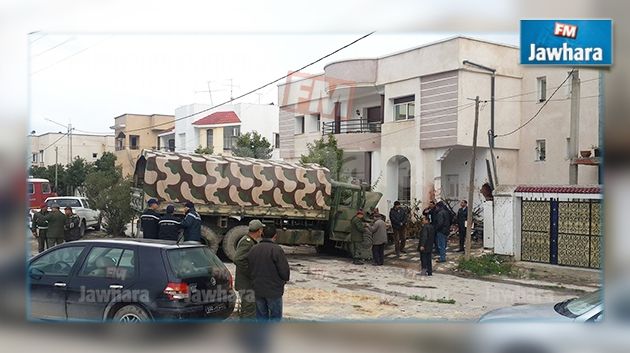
x=488, y=264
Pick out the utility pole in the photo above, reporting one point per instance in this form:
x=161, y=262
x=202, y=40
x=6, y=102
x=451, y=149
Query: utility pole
x=56, y=167
x=70, y=143
x=574, y=130
x=471, y=183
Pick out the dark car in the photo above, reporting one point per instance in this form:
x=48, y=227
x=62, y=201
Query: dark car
x=129, y=280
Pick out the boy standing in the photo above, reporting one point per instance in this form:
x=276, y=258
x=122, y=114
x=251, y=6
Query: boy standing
x=427, y=237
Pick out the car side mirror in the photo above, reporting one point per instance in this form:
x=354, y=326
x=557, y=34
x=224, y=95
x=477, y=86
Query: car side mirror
x=35, y=273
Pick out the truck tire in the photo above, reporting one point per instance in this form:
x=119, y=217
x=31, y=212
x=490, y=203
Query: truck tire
x=231, y=239
x=211, y=238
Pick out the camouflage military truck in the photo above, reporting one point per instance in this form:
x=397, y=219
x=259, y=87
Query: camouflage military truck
x=303, y=202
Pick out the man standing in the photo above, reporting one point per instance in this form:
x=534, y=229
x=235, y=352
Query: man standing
x=39, y=226
x=442, y=228
x=462, y=216
x=191, y=223
x=270, y=271
x=243, y=282
x=427, y=236
x=169, y=225
x=56, y=222
x=379, y=239
x=72, y=225
x=357, y=228
x=398, y=217
x=149, y=220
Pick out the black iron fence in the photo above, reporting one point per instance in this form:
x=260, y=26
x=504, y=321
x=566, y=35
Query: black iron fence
x=350, y=127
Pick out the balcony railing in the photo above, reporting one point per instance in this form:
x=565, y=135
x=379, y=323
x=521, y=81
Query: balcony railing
x=350, y=127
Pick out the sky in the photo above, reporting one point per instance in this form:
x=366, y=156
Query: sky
x=88, y=79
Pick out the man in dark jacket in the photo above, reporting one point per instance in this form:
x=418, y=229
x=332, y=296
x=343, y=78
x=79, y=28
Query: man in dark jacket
x=270, y=271
x=170, y=225
x=357, y=228
x=39, y=226
x=149, y=220
x=191, y=223
x=379, y=239
x=427, y=237
x=442, y=229
x=243, y=282
x=398, y=217
x=462, y=217
x=56, y=222
x=72, y=225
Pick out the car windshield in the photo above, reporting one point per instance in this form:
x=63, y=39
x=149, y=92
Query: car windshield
x=578, y=306
x=64, y=202
x=194, y=262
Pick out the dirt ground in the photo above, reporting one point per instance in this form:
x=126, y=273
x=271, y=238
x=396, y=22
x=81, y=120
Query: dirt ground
x=327, y=288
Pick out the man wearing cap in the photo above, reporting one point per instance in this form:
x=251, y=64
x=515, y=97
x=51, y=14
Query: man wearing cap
x=56, y=222
x=170, y=225
x=149, y=220
x=39, y=226
x=191, y=223
x=357, y=229
x=243, y=281
x=72, y=225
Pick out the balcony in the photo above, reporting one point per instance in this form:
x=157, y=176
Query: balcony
x=353, y=126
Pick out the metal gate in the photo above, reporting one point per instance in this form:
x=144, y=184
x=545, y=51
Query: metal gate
x=561, y=232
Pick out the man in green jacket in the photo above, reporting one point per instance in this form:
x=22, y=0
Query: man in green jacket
x=72, y=225
x=357, y=229
x=56, y=222
x=39, y=226
x=243, y=281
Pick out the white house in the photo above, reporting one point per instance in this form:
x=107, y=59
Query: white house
x=55, y=147
x=196, y=125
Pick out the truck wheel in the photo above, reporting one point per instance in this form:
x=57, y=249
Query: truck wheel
x=231, y=240
x=212, y=239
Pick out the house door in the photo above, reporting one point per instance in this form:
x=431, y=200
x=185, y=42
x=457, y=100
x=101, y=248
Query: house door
x=561, y=232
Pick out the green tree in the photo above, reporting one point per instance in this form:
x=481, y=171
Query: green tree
x=110, y=193
x=75, y=175
x=204, y=150
x=252, y=145
x=326, y=153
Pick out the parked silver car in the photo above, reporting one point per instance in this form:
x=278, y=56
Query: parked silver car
x=587, y=308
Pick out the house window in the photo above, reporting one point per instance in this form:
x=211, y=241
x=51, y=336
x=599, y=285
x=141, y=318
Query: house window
x=452, y=186
x=209, y=138
x=120, y=142
x=35, y=157
x=171, y=145
x=541, y=150
x=404, y=108
x=276, y=140
x=541, y=88
x=230, y=135
x=318, y=122
x=94, y=155
x=134, y=142
x=182, y=141
x=299, y=124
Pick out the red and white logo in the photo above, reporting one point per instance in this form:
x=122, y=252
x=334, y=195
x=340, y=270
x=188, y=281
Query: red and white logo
x=565, y=30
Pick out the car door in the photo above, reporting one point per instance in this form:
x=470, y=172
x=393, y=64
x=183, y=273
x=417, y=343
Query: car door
x=107, y=274
x=88, y=213
x=49, y=275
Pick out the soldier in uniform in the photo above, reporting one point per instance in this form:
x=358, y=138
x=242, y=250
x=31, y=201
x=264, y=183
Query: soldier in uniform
x=191, y=223
x=170, y=225
x=149, y=220
x=72, y=225
x=39, y=226
x=357, y=230
x=243, y=282
x=56, y=222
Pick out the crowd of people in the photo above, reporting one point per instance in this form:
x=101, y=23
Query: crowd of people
x=55, y=227
x=168, y=226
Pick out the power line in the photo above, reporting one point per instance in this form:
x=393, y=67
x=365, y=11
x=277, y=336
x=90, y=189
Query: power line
x=532, y=92
x=259, y=88
x=69, y=56
x=541, y=107
x=53, y=47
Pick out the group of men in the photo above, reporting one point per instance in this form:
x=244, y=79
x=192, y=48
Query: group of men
x=169, y=226
x=440, y=218
x=262, y=271
x=55, y=227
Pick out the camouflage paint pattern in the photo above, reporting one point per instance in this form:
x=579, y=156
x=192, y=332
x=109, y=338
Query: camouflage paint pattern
x=220, y=181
